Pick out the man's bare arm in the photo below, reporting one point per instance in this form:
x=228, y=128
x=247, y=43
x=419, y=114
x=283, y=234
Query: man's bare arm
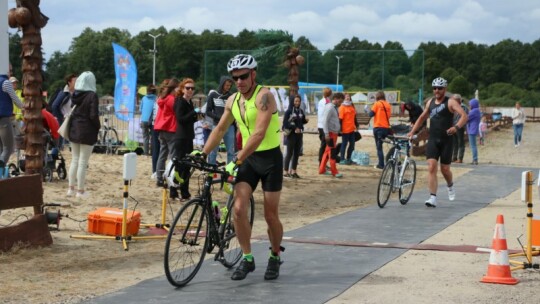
x=219, y=131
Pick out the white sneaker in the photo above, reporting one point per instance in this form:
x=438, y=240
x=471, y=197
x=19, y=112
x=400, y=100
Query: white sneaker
x=431, y=201
x=451, y=193
x=70, y=193
x=83, y=195
x=154, y=176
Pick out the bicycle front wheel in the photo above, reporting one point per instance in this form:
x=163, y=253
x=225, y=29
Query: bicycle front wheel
x=385, y=183
x=389, y=154
x=186, y=243
x=407, y=183
x=230, y=247
x=111, y=140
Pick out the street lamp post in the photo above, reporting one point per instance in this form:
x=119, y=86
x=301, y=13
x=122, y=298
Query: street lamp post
x=337, y=79
x=154, y=51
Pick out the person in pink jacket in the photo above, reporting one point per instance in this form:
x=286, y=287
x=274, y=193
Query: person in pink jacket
x=165, y=124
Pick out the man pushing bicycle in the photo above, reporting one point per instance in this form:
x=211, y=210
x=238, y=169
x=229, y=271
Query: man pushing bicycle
x=255, y=111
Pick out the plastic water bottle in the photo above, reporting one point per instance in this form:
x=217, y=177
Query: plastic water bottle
x=217, y=212
x=224, y=213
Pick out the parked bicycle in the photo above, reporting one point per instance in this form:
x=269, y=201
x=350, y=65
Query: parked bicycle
x=399, y=173
x=200, y=226
x=108, y=140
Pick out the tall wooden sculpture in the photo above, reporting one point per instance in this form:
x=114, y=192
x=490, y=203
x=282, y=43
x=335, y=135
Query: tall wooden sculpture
x=29, y=18
x=292, y=61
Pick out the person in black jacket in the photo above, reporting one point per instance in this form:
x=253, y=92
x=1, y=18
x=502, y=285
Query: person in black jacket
x=215, y=106
x=61, y=105
x=186, y=116
x=83, y=131
x=294, y=121
x=414, y=111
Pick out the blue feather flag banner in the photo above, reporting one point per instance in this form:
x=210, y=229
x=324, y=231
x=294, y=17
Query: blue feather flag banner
x=125, y=89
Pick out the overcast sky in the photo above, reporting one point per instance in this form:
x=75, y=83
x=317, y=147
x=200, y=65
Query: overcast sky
x=324, y=22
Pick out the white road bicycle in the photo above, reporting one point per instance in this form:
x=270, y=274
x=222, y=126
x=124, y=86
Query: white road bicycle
x=399, y=173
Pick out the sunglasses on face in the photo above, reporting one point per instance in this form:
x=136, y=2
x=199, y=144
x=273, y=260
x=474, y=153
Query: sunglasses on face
x=438, y=88
x=243, y=76
x=189, y=88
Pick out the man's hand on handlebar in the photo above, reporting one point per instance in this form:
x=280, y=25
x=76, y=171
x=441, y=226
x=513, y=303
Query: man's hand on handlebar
x=198, y=154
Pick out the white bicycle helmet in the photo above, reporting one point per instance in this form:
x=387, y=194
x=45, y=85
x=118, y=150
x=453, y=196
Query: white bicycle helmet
x=172, y=176
x=241, y=61
x=439, y=82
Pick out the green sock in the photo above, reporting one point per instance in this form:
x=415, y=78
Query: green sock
x=274, y=256
x=248, y=257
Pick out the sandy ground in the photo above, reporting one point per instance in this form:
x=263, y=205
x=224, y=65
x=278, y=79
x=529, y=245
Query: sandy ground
x=72, y=270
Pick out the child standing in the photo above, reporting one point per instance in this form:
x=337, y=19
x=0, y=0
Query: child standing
x=482, y=127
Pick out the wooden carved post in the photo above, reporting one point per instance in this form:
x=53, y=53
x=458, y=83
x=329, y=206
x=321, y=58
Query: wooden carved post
x=29, y=18
x=293, y=60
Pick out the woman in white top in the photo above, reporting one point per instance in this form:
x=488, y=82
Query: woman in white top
x=518, y=118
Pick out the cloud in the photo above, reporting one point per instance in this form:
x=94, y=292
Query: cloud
x=324, y=23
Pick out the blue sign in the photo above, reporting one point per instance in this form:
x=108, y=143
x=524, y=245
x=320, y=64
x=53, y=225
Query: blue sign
x=125, y=89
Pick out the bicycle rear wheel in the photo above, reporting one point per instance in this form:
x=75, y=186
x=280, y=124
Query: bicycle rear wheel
x=407, y=183
x=385, y=183
x=186, y=243
x=230, y=250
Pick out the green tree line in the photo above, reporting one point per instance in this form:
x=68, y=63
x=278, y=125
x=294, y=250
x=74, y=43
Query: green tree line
x=502, y=73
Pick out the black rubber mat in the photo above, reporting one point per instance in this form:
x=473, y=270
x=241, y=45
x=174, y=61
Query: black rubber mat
x=316, y=273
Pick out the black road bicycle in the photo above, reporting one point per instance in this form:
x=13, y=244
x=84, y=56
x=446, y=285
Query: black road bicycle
x=197, y=228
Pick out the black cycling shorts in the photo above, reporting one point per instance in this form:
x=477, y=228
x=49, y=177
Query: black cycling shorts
x=265, y=166
x=440, y=148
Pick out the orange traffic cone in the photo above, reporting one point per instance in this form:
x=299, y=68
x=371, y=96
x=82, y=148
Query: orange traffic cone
x=499, y=265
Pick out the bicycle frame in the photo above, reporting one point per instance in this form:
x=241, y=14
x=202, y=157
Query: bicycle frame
x=401, y=159
x=205, y=194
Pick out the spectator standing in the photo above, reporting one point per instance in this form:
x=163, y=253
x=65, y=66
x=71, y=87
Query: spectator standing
x=61, y=105
x=518, y=119
x=16, y=110
x=166, y=125
x=327, y=92
x=83, y=132
x=482, y=130
x=347, y=116
x=186, y=116
x=331, y=128
x=156, y=146
x=294, y=120
x=458, y=139
x=8, y=98
x=472, y=128
x=215, y=107
x=382, y=111
x=147, y=108
x=440, y=110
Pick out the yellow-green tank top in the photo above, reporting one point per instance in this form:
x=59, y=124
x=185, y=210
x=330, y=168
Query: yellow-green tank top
x=246, y=124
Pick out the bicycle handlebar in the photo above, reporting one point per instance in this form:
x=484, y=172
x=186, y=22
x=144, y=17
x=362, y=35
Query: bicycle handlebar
x=199, y=163
x=402, y=137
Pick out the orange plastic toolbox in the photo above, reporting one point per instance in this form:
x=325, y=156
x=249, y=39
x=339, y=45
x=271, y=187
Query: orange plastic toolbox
x=536, y=231
x=108, y=221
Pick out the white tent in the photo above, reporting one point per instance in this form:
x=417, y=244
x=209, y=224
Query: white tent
x=359, y=97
